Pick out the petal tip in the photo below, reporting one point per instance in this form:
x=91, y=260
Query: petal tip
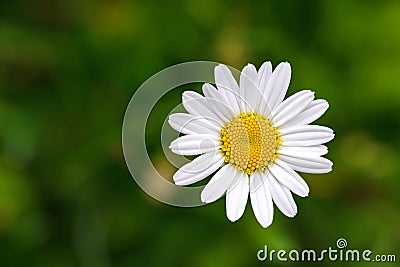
x=204, y=199
x=266, y=225
x=232, y=218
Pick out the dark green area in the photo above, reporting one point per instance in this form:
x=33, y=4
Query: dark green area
x=69, y=68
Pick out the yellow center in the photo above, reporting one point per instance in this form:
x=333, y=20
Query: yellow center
x=250, y=142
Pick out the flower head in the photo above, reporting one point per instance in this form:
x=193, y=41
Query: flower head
x=253, y=139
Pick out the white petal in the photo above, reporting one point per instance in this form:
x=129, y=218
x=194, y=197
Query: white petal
x=210, y=91
x=227, y=84
x=261, y=199
x=236, y=197
x=225, y=113
x=195, y=144
x=264, y=73
x=197, y=105
x=289, y=178
x=190, y=124
x=278, y=84
x=308, y=164
x=310, y=170
x=305, y=129
x=249, y=92
x=215, y=100
x=282, y=197
x=219, y=184
x=301, y=151
x=312, y=112
x=306, y=135
x=292, y=106
x=199, y=168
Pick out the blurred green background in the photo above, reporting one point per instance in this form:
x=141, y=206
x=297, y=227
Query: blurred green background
x=69, y=68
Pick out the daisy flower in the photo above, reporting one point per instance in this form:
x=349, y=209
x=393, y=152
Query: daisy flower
x=253, y=139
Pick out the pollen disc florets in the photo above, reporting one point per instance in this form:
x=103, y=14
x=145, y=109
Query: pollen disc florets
x=250, y=142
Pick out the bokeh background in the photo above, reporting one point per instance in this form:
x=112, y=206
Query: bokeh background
x=69, y=68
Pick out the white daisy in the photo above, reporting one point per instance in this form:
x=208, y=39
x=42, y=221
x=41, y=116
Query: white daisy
x=256, y=139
